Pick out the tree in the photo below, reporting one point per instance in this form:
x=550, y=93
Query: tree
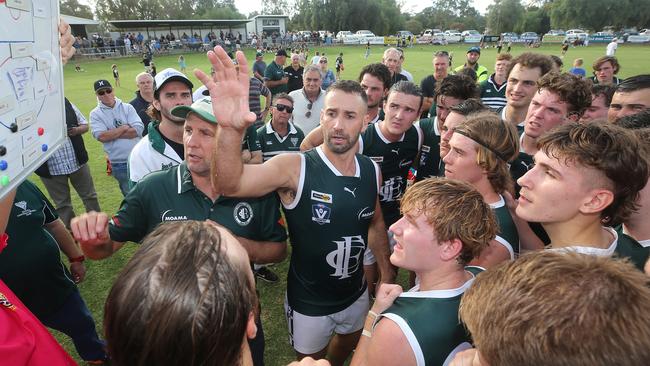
x=74, y=8
x=275, y=7
x=596, y=14
x=414, y=26
x=504, y=15
x=534, y=20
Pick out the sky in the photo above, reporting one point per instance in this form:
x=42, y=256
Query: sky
x=411, y=6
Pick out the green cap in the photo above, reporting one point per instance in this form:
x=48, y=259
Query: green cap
x=202, y=107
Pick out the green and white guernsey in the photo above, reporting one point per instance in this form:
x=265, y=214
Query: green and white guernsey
x=273, y=144
x=507, y=235
x=623, y=246
x=430, y=161
x=430, y=322
x=328, y=225
x=394, y=159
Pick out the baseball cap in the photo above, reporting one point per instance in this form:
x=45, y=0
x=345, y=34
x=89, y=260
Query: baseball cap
x=102, y=84
x=259, y=54
x=202, y=107
x=474, y=49
x=281, y=53
x=167, y=75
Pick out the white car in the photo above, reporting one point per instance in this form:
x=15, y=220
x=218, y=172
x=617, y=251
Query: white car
x=453, y=37
x=343, y=34
x=365, y=33
x=571, y=32
x=471, y=32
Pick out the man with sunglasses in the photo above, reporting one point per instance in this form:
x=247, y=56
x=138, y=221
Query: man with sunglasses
x=118, y=127
x=309, y=100
x=280, y=135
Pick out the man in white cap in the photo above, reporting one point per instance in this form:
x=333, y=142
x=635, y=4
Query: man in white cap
x=162, y=147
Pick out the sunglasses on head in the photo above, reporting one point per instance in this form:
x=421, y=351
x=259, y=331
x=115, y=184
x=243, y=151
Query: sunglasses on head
x=282, y=108
x=441, y=53
x=105, y=91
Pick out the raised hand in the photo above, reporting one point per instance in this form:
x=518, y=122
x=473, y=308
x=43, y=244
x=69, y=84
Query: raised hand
x=228, y=89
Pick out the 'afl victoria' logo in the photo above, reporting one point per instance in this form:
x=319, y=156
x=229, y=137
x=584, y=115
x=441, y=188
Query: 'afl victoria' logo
x=243, y=213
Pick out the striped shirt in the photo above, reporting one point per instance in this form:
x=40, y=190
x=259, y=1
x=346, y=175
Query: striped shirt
x=492, y=95
x=273, y=144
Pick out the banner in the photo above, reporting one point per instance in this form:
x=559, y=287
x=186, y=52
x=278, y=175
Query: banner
x=600, y=38
x=638, y=39
x=372, y=40
x=392, y=40
x=553, y=39
x=473, y=38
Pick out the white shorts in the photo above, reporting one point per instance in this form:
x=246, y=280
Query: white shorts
x=369, y=258
x=311, y=334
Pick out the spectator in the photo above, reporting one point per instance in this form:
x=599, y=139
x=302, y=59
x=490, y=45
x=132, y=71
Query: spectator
x=328, y=74
x=117, y=126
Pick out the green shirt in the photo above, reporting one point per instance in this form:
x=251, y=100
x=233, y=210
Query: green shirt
x=328, y=224
x=430, y=322
x=507, y=234
x=394, y=159
x=31, y=264
x=429, y=162
x=275, y=72
x=273, y=144
x=170, y=195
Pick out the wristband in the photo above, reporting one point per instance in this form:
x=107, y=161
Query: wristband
x=370, y=312
x=366, y=333
x=78, y=259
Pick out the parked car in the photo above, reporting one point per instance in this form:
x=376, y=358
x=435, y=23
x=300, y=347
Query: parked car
x=556, y=32
x=453, y=36
x=571, y=32
x=343, y=34
x=509, y=37
x=365, y=33
x=404, y=34
x=470, y=32
x=430, y=32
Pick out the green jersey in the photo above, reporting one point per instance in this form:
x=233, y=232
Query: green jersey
x=275, y=72
x=492, y=94
x=623, y=246
x=429, y=163
x=507, y=234
x=430, y=322
x=328, y=225
x=273, y=144
x=31, y=264
x=394, y=159
x=170, y=195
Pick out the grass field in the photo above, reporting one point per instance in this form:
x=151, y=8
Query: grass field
x=78, y=88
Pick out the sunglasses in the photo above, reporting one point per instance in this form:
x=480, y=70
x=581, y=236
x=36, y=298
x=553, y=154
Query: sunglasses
x=323, y=61
x=282, y=108
x=308, y=114
x=105, y=91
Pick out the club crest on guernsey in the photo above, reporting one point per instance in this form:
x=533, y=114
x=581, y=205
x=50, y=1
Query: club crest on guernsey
x=347, y=257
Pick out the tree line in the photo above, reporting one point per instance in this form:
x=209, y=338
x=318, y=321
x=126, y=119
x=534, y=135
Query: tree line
x=385, y=17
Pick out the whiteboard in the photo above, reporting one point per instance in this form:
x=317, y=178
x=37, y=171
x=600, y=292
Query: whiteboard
x=32, y=123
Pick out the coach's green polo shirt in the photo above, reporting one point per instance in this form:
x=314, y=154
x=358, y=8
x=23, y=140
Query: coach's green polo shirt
x=275, y=72
x=273, y=144
x=170, y=195
x=31, y=263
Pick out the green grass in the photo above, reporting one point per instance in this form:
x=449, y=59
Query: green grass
x=78, y=88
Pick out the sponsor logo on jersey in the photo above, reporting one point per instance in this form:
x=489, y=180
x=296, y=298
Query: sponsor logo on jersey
x=320, y=213
x=23, y=206
x=322, y=197
x=425, y=148
x=347, y=258
x=351, y=191
x=269, y=142
x=405, y=162
x=366, y=213
x=167, y=217
x=391, y=190
x=377, y=159
x=243, y=213
x=396, y=151
x=164, y=166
